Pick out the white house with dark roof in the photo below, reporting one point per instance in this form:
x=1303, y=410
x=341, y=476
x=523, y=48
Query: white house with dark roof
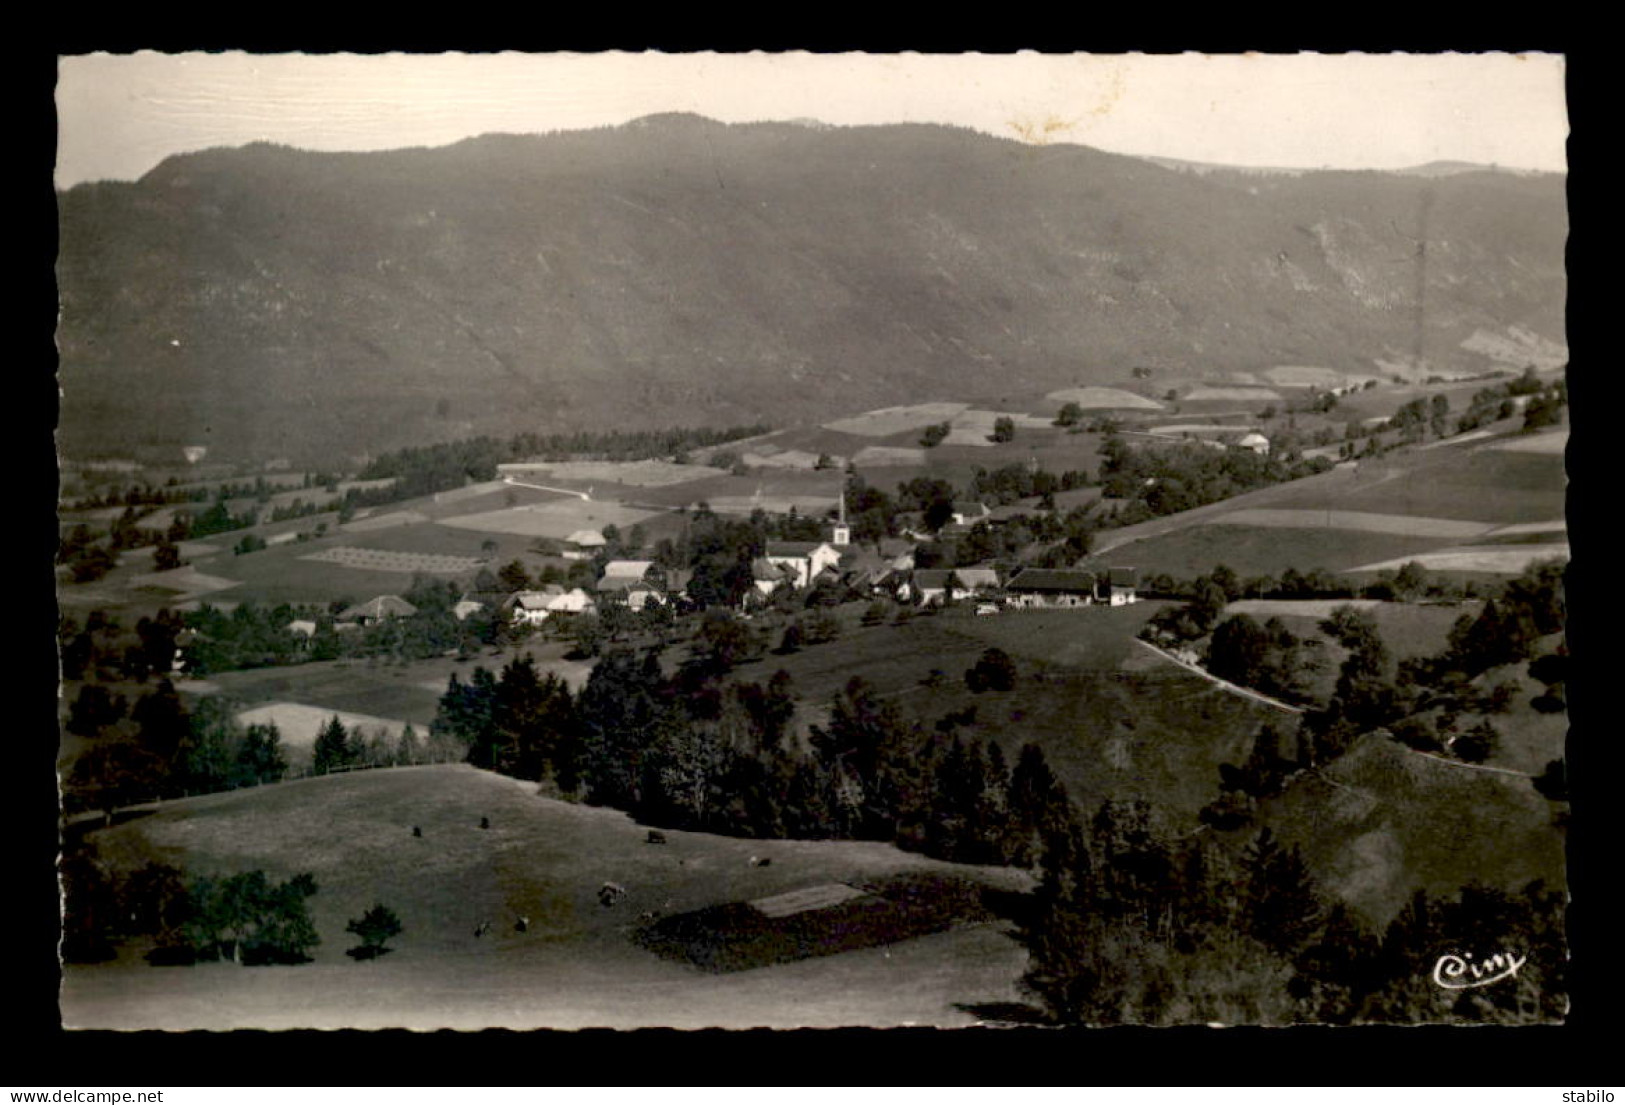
x=806, y=560
x=527, y=607
x=583, y=543
x=1255, y=441
x=1051, y=588
x=967, y=513
x=1122, y=586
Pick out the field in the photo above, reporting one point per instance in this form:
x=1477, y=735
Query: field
x=1546, y=445
x=1384, y=821
x=366, y=523
x=382, y=560
x=1304, y=376
x=1408, y=629
x=1358, y=521
x=887, y=456
x=1207, y=394
x=1494, y=559
x=577, y=965
x=299, y=725
x=557, y=519
x=785, y=458
x=410, y=692
x=1099, y=398
x=1113, y=720
x=1262, y=550
x=638, y=473
x=896, y=420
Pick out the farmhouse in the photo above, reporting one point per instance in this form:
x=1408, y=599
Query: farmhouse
x=628, y=569
x=768, y=577
x=937, y=585
x=377, y=610
x=1122, y=586
x=527, y=607
x=1051, y=588
x=635, y=593
x=535, y=607
x=583, y=543
x=1255, y=441
x=969, y=513
x=807, y=560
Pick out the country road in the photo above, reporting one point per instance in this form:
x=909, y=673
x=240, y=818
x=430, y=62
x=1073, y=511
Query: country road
x=1232, y=687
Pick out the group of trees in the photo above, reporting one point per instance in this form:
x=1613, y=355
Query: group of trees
x=1011, y=482
x=255, y=635
x=101, y=649
x=1543, y=404
x=247, y=917
x=694, y=751
x=159, y=749
x=423, y=470
x=1133, y=924
x=1154, y=480
x=341, y=748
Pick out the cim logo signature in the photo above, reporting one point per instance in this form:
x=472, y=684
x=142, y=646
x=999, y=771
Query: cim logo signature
x=1459, y=972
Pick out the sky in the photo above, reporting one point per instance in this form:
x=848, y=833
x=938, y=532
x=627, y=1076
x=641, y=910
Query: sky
x=120, y=115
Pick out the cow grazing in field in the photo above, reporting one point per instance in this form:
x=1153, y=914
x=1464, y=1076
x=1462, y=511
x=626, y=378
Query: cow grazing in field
x=522, y=925
x=760, y=861
x=655, y=837
x=648, y=916
x=610, y=893
x=483, y=928
x=485, y=822
x=417, y=830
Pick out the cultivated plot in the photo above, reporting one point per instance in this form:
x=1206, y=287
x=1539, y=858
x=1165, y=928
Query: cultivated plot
x=1207, y=393
x=577, y=965
x=557, y=519
x=1552, y=444
x=384, y=560
x=637, y=473
x=1303, y=376
x=384, y=521
x=186, y=582
x=1359, y=521
x=896, y=420
x=1495, y=559
x=1104, y=399
x=888, y=456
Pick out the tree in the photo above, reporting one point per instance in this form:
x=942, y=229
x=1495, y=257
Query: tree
x=514, y=577
x=1071, y=414
x=375, y=928
x=1280, y=907
x=252, y=920
x=260, y=756
x=332, y=750
x=1477, y=744
x=934, y=435
x=1238, y=650
x=1004, y=430
x=993, y=671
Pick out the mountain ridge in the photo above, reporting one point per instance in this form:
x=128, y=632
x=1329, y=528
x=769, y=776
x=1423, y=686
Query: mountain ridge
x=276, y=302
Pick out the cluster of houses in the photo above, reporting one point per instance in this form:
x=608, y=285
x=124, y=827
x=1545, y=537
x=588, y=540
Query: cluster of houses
x=887, y=571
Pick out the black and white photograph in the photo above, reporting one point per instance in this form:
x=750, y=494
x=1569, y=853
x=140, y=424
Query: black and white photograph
x=702, y=540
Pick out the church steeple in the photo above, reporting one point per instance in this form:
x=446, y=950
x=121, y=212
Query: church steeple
x=841, y=533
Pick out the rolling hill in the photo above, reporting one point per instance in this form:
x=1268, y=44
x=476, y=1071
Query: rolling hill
x=575, y=966
x=269, y=302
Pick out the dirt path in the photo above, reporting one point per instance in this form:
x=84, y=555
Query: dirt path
x=1232, y=687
